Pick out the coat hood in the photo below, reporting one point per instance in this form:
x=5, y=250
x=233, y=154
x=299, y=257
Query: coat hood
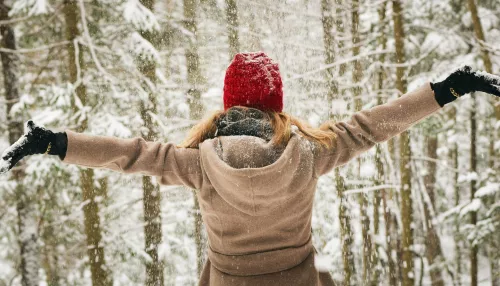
x=253, y=175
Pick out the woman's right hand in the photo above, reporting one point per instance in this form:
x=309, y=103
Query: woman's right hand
x=36, y=140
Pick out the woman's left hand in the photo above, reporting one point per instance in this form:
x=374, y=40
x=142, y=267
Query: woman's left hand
x=463, y=81
x=36, y=140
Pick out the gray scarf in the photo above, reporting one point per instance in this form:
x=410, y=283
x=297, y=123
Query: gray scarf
x=244, y=121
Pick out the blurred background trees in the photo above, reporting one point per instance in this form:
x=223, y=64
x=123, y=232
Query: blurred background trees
x=421, y=209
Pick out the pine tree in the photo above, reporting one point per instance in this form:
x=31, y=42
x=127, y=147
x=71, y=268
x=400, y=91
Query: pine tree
x=379, y=162
x=405, y=152
x=433, y=243
x=232, y=27
x=357, y=75
x=92, y=221
x=195, y=80
x=493, y=155
x=346, y=234
x=151, y=191
x=329, y=43
x=25, y=194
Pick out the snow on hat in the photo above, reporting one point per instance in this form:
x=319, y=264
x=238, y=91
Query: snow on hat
x=253, y=80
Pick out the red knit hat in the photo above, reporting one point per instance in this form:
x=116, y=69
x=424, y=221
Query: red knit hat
x=253, y=80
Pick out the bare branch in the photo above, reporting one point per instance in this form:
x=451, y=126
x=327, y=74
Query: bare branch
x=34, y=50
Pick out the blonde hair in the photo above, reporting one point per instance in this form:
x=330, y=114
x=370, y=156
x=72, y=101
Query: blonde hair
x=281, y=124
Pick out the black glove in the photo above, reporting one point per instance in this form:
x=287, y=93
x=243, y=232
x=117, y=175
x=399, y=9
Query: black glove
x=465, y=80
x=36, y=140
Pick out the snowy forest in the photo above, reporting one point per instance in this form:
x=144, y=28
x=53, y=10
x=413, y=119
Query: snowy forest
x=420, y=209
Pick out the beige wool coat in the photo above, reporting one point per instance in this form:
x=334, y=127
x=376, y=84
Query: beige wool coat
x=256, y=199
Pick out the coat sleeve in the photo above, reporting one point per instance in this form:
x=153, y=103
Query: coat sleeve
x=375, y=125
x=172, y=165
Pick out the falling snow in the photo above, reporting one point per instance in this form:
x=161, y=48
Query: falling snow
x=144, y=63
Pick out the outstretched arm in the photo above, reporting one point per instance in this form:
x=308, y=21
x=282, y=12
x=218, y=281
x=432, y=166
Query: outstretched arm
x=172, y=165
x=380, y=123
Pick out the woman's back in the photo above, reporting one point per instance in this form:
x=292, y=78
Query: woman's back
x=263, y=210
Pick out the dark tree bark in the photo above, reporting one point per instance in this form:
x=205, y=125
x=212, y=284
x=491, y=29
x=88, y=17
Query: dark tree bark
x=345, y=222
x=50, y=260
x=478, y=30
x=493, y=254
x=346, y=235
x=193, y=60
x=329, y=43
x=92, y=222
x=195, y=80
x=25, y=198
x=473, y=188
x=151, y=191
x=433, y=243
x=357, y=75
x=405, y=153
x=232, y=27
x=339, y=23
x=388, y=217
x=457, y=236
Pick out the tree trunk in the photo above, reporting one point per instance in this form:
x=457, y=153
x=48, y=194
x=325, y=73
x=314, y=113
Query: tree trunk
x=50, y=254
x=388, y=217
x=433, y=243
x=193, y=60
x=367, y=241
x=329, y=43
x=198, y=238
x=493, y=156
x=25, y=195
x=28, y=237
x=454, y=158
x=458, y=249
x=473, y=187
x=151, y=191
x=195, y=80
x=339, y=23
x=495, y=267
x=346, y=235
x=232, y=27
x=405, y=154
x=92, y=222
x=478, y=30
x=152, y=231
x=357, y=74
